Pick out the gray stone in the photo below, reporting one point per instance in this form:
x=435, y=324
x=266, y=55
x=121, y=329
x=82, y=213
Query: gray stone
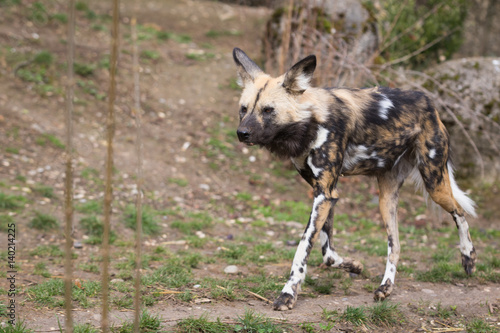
x=231, y=269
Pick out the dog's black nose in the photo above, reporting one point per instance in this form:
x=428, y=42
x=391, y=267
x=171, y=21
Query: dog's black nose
x=243, y=134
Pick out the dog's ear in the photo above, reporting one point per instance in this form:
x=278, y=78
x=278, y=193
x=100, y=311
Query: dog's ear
x=298, y=78
x=247, y=69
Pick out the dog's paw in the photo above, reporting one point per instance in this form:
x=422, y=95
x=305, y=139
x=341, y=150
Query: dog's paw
x=383, y=291
x=469, y=262
x=352, y=266
x=284, y=302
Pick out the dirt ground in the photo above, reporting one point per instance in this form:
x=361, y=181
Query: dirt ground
x=192, y=163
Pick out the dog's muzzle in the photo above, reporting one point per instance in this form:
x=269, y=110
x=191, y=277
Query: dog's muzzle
x=243, y=134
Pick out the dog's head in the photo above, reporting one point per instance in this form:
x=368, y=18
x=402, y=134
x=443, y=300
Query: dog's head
x=272, y=113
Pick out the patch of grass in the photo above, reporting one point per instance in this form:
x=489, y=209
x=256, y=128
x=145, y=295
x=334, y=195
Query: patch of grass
x=85, y=328
x=123, y=302
x=442, y=272
x=356, y=316
x=266, y=285
x=81, y=6
x=254, y=322
x=200, y=55
x=89, y=267
x=19, y=327
x=21, y=178
x=38, y=13
x=49, y=138
x=202, y=324
x=443, y=312
x=150, y=55
x=179, y=181
x=12, y=150
x=443, y=255
x=385, y=314
x=373, y=246
x=60, y=17
x=221, y=33
x=147, y=323
x=94, y=228
x=171, y=275
x=11, y=202
x=478, y=325
x=47, y=251
x=41, y=269
x=5, y=221
x=233, y=253
x=83, y=70
x=195, y=222
x=179, y=38
x=43, y=222
x=44, y=191
x=150, y=225
x=89, y=207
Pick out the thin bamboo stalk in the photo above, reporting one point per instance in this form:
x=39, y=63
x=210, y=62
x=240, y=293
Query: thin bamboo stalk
x=138, y=123
x=108, y=196
x=68, y=193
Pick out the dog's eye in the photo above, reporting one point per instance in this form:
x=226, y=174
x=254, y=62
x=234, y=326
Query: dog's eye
x=268, y=109
x=243, y=109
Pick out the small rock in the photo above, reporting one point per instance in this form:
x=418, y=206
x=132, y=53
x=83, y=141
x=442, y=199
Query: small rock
x=231, y=269
x=116, y=280
x=291, y=243
x=205, y=187
x=200, y=234
x=196, y=286
x=77, y=245
x=252, y=159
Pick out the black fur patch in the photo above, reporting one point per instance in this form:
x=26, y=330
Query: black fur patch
x=290, y=140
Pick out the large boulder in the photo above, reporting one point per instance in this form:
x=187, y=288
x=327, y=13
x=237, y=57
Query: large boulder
x=470, y=89
x=342, y=33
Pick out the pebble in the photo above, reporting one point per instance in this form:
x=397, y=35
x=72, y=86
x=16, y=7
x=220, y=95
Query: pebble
x=116, y=280
x=205, y=187
x=291, y=242
x=77, y=245
x=231, y=269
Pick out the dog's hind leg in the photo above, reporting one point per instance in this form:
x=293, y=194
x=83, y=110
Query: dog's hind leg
x=445, y=192
x=389, y=185
x=330, y=256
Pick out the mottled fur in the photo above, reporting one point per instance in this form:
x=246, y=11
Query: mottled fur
x=331, y=132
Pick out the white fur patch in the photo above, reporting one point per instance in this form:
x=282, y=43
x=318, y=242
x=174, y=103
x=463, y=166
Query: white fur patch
x=466, y=246
x=390, y=269
x=302, y=81
x=385, y=105
x=329, y=253
x=353, y=155
x=321, y=137
x=463, y=200
x=432, y=153
x=316, y=171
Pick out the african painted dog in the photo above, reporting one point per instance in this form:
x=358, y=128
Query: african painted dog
x=331, y=132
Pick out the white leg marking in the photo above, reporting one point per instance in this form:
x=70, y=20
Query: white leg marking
x=329, y=253
x=316, y=171
x=385, y=105
x=299, y=267
x=390, y=269
x=466, y=246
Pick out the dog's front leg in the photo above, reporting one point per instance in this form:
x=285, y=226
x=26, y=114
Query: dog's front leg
x=321, y=208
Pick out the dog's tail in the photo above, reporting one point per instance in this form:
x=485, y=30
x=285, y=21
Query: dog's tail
x=462, y=198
